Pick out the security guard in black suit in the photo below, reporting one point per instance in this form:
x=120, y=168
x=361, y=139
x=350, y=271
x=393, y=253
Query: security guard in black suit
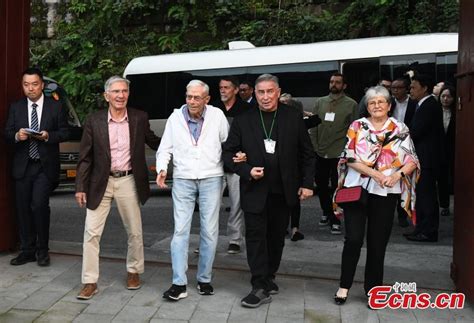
x=36, y=125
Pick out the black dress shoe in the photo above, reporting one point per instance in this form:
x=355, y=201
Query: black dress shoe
x=339, y=300
x=421, y=237
x=413, y=233
x=43, y=259
x=445, y=212
x=297, y=236
x=403, y=222
x=22, y=259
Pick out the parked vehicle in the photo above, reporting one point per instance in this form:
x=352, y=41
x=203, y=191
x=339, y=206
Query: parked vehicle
x=69, y=150
x=158, y=82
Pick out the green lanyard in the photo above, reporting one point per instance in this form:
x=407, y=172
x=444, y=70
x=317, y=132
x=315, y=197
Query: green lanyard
x=268, y=135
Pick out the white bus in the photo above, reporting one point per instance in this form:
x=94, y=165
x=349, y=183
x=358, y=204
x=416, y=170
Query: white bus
x=158, y=82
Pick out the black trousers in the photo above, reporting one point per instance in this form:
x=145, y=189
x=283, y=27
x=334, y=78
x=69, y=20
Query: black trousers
x=265, y=239
x=402, y=214
x=378, y=214
x=295, y=213
x=33, y=211
x=427, y=208
x=445, y=185
x=326, y=169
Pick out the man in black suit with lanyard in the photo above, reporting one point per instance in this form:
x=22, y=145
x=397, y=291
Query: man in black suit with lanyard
x=426, y=130
x=36, y=125
x=279, y=170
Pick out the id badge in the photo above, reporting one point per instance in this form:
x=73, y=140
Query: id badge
x=269, y=146
x=329, y=116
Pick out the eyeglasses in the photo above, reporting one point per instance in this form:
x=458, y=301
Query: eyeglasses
x=116, y=92
x=374, y=103
x=195, y=98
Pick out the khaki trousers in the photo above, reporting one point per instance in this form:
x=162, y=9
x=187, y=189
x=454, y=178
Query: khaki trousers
x=124, y=192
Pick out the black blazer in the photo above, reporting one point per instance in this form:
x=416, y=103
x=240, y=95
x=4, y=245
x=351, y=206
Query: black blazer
x=253, y=103
x=411, y=107
x=54, y=121
x=450, y=139
x=426, y=130
x=294, y=149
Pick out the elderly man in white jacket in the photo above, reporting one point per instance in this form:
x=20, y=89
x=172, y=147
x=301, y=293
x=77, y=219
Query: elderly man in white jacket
x=193, y=137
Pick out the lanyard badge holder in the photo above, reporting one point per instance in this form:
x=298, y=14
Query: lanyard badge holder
x=269, y=143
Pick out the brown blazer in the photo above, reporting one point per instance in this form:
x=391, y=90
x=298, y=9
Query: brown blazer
x=93, y=167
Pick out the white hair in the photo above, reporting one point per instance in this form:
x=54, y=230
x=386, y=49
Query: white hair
x=115, y=79
x=377, y=91
x=194, y=83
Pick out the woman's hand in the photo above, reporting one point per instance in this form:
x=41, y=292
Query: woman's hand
x=379, y=178
x=393, y=179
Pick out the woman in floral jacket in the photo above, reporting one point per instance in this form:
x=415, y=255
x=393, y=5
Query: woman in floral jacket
x=380, y=157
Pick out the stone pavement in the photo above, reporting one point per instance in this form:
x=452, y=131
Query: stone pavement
x=426, y=264
x=29, y=293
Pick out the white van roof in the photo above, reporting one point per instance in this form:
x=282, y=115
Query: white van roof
x=290, y=54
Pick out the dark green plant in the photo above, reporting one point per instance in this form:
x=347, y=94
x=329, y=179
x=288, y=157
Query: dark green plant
x=102, y=36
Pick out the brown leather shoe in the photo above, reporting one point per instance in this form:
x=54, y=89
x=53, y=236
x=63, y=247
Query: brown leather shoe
x=133, y=281
x=87, y=291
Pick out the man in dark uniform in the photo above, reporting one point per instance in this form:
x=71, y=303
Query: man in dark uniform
x=36, y=125
x=426, y=131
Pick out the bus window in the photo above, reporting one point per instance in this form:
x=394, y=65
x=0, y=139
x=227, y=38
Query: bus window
x=396, y=66
x=359, y=75
x=158, y=94
x=446, y=66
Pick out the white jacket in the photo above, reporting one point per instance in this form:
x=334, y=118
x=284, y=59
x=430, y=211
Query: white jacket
x=193, y=160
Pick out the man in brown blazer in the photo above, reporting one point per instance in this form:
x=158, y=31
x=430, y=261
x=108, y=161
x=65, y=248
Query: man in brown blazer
x=112, y=166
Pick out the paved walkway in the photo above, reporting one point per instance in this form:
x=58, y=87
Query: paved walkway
x=29, y=293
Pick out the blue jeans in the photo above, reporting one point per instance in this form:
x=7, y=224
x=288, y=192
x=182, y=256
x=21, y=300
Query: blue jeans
x=185, y=192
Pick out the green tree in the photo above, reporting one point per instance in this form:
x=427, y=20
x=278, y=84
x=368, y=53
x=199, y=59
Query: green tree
x=102, y=36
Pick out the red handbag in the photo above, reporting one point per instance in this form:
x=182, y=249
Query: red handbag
x=356, y=195
x=351, y=195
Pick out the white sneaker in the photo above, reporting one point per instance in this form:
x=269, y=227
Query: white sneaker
x=324, y=220
x=336, y=229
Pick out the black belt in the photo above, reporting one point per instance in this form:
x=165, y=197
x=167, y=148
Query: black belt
x=120, y=173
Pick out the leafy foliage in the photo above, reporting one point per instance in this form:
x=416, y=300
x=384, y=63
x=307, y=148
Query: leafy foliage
x=102, y=36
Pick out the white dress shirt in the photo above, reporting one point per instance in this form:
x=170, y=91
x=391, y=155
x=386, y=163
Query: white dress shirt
x=39, y=110
x=400, y=109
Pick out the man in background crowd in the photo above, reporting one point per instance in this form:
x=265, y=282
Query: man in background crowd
x=246, y=93
x=232, y=106
x=403, y=109
x=336, y=111
x=426, y=131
